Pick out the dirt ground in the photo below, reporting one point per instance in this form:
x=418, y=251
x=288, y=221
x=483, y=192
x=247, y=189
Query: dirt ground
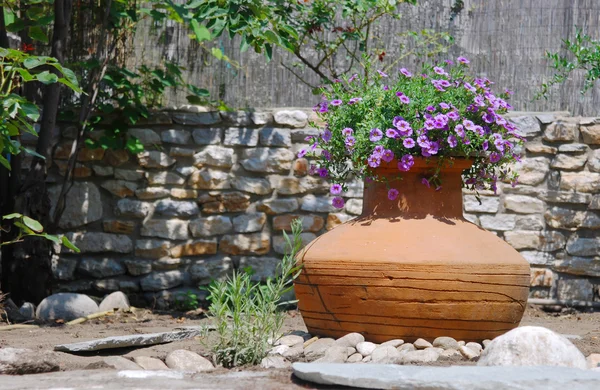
x=583, y=330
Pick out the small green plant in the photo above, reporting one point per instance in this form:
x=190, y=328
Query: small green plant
x=247, y=314
x=186, y=301
x=29, y=227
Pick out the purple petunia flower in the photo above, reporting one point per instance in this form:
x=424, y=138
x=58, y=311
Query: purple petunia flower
x=338, y=202
x=423, y=141
x=430, y=124
x=347, y=131
x=381, y=73
x=336, y=189
x=460, y=130
x=499, y=144
x=336, y=102
x=326, y=136
x=405, y=72
x=408, y=143
x=406, y=162
x=469, y=125
x=430, y=108
x=375, y=135
x=387, y=156
x=452, y=142
x=393, y=194
x=386, y=88
x=449, y=62
x=302, y=153
x=440, y=71
x=391, y=133
x=404, y=99
x=374, y=160
x=444, y=106
x=354, y=100
x=453, y=115
x=324, y=107
x=326, y=155
x=353, y=77
x=470, y=87
x=462, y=60
x=397, y=120
x=323, y=172
x=379, y=149
x=312, y=170
x=495, y=157
x=350, y=141
x=485, y=145
x=425, y=182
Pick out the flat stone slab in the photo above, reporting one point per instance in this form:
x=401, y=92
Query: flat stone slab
x=134, y=340
x=391, y=376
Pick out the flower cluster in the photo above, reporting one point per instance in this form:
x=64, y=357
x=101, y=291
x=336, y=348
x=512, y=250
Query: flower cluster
x=441, y=113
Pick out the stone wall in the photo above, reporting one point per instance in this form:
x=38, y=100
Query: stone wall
x=213, y=191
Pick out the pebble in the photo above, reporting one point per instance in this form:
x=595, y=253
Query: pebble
x=294, y=353
x=394, y=343
x=274, y=361
x=184, y=360
x=446, y=343
x=461, y=343
x=290, y=340
x=279, y=350
x=422, y=344
x=386, y=354
x=150, y=363
x=367, y=359
x=335, y=354
x=468, y=353
x=406, y=347
x=486, y=342
x=436, y=349
x=317, y=348
x=366, y=347
x=355, y=358
x=351, y=350
x=450, y=354
x=350, y=340
x=475, y=347
x=593, y=360
x=421, y=356
x=120, y=363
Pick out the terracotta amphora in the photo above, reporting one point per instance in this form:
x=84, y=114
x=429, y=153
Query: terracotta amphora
x=412, y=267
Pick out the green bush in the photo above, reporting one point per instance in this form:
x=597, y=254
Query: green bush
x=248, y=314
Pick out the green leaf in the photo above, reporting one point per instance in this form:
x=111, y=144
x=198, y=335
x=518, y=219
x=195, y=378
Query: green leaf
x=36, y=33
x=33, y=224
x=31, y=111
x=272, y=37
x=33, y=62
x=12, y=216
x=201, y=32
x=46, y=77
x=217, y=53
x=4, y=162
x=269, y=52
x=69, y=244
x=50, y=237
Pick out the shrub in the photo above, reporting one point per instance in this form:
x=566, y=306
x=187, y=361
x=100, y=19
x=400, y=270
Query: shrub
x=247, y=314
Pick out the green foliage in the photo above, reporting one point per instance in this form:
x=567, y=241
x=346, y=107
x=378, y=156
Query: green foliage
x=248, y=314
x=583, y=53
x=187, y=301
x=443, y=112
x=29, y=227
x=33, y=18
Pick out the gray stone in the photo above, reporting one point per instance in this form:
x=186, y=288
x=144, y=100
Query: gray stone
x=177, y=151
x=102, y=170
x=354, y=206
x=63, y=268
x=275, y=137
x=569, y=162
x=270, y=160
x=394, y=343
x=500, y=222
x=334, y=354
x=207, y=136
x=355, y=358
x=573, y=148
x=97, y=242
x=574, y=289
x=116, y=300
x=147, y=137
x=216, y=156
x=532, y=346
x=162, y=178
x=300, y=135
x=236, y=136
x=119, y=363
x=450, y=354
x=209, y=179
x=488, y=204
x=197, y=118
x=120, y=188
x=291, y=118
x=278, y=206
x=180, y=137
x=583, y=246
x=290, y=340
x=445, y=343
x=468, y=353
x=18, y=361
x=150, y=363
x=151, y=193
x=27, y=310
x=318, y=348
x=321, y=204
x=280, y=245
x=350, y=340
x=249, y=222
x=538, y=147
x=262, y=267
x=538, y=258
x=237, y=118
x=163, y=280
x=366, y=348
x=133, y=208
x=533, y=171
x=523, y=204
x=274, y=361
x=245, y=244
x=527, y=126
x=253, y=185
x=563, y=218
x=529, y=222
x=565, y=197
x=176, y=208
x=152, y=249
x=262, y=118
x=184, y=360
x=172, y=229
x=186, y=171
x=100, y=267
x=386, y=354
x=547, y=241
x=83, y=204
x=155, y=159
x=206, y=270
x=561, y=131
x=210, y=226
x=422, y=344
x=129, y=174
x=595, y=203
x=575, y=265
x=287, y=185
x=407, y=347
x=65, y=306
x=580, y=181
x=594, y=162
x=421, y=356
x=591, y=134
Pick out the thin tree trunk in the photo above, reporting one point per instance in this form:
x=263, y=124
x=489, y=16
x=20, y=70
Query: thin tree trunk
x=28, y=276
x=3, y=35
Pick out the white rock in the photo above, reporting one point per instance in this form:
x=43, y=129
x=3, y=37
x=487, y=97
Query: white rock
x=474, y=346
x=422, y=344
x=120, y=363
x=184, y=360
x=394, y=343
x=150, y=363
x=317, y=349
x=334, y=354
x=406, y=347
x=116, y=300
x=66, y=306
x=386, y=354
x=350, y=350
x=486, y=342
x=274, y=361
x=350, y=340
x=366, y=348
x=17, y=361
x=468, y=353
x=294, y=353
x=421, y=356
x=593, y=361
x=532, y=346
x=461, y=343
x=367, y=359
x=445, y=343
x=355, y=358
x=279, y=350
x=450, y=354
x=290, y=340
